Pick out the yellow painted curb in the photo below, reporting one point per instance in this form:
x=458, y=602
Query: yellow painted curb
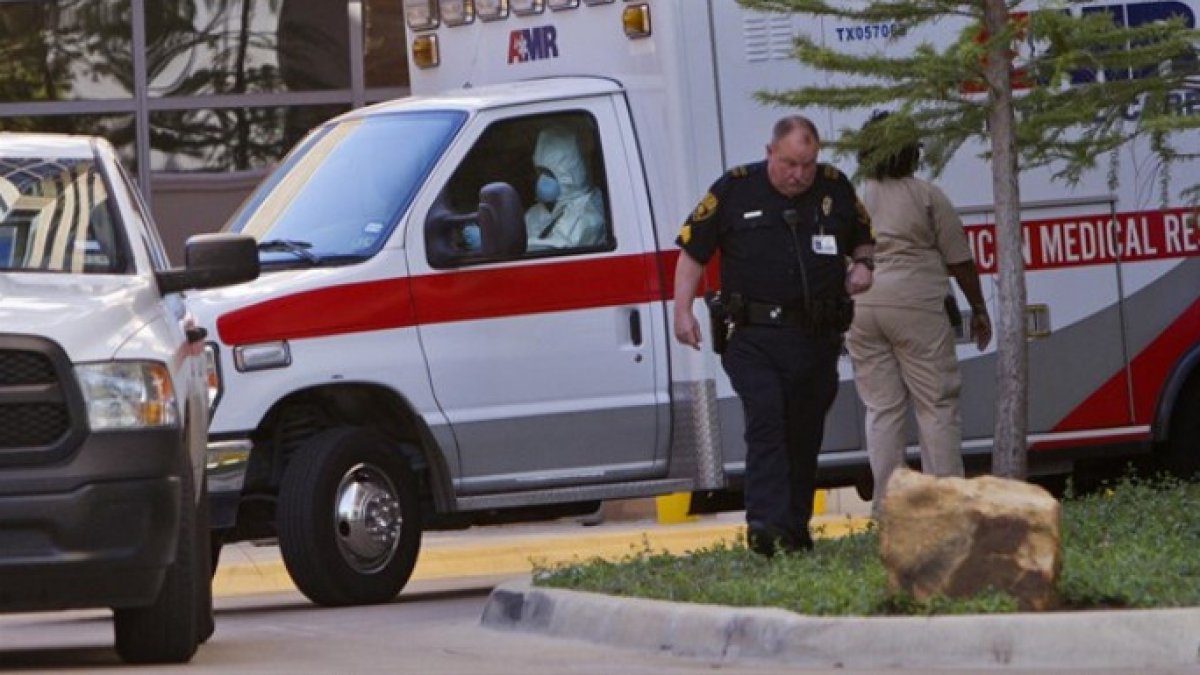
x=519, y=554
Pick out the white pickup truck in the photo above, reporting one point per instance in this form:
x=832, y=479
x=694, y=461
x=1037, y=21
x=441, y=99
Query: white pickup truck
x=103, y=399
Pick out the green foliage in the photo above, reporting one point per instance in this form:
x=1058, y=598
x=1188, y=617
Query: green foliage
x=1130, y=544
x=1062, y=119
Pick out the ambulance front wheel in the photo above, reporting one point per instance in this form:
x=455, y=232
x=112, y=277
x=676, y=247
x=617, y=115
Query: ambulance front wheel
x=348, y=518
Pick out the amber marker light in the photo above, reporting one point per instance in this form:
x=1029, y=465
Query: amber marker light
x=425, y=51
x=636, y=19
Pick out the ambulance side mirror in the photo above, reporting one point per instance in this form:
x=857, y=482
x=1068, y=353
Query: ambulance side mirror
x=501, y=221
x=494, y=232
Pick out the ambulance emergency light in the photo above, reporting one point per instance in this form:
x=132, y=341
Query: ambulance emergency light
x=457, y=12
x=556, y=5
x=526, y=7
x=491, y=10
x=421, y=14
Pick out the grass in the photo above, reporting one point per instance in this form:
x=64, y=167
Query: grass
x=1128, y=545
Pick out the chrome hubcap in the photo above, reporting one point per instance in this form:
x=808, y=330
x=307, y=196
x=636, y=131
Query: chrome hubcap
x=368, y=518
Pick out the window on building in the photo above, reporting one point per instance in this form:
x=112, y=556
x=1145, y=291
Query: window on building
x=63, y=50
x=230, y=139
x=246, y=46
x=384, y=44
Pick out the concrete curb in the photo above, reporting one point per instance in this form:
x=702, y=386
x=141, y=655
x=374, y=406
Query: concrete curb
x=1136, y=639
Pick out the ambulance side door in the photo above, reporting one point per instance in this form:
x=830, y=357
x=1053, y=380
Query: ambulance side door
x=549, y=364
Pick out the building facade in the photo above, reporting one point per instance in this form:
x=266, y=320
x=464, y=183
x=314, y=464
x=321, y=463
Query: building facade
x=200, y=97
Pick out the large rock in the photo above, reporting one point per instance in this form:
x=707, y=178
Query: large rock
x=955, y=537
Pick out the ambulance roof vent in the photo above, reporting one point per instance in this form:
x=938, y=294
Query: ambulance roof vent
x=768, y=36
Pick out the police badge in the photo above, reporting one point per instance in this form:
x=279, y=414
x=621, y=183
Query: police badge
x=827, y=205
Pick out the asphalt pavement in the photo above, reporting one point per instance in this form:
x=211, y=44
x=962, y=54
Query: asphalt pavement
x=1140, y=641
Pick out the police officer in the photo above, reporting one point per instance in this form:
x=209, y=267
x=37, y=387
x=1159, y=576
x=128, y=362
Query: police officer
x=795, y=243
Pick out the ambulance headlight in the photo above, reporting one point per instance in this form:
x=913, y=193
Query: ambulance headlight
x=127, y=395
x=457, y=12
x=421, y=14
x=425, y=51
x=556, y=5
x=263, y=356
x=526, y=7
x=491, y=10
x=636, y=19
x=212, y=375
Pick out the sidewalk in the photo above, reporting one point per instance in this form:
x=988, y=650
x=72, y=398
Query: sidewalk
x=247, y=568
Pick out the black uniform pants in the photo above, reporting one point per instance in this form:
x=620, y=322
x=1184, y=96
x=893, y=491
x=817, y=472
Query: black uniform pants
x=787, y=381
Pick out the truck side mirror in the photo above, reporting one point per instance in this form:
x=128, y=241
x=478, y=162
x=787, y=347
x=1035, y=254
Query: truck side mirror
x=212, y=260
x=501, y=221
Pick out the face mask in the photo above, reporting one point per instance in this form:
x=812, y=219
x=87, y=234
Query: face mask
x=547, y=189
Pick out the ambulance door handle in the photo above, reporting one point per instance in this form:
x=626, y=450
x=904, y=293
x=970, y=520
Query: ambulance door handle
x=635, y=328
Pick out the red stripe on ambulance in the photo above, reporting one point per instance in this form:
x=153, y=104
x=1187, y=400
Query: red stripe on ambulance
x=460, y=296
x=1106, y=406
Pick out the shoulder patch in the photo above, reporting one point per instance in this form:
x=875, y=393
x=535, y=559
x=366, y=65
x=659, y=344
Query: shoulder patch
x=685, y=234
x=830, y=171
x=706, y=207
x=739, y=171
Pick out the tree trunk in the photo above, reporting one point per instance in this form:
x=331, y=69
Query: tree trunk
x=1009, y=452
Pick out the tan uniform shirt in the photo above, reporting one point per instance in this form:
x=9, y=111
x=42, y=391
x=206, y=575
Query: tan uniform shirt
x=917, y=234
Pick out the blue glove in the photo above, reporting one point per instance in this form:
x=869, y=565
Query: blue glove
x=470, y=237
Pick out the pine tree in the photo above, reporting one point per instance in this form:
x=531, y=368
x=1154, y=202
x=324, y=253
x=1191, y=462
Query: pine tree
x=1063, y=100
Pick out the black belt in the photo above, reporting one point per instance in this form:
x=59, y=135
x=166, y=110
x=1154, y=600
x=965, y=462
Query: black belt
x=764, y=314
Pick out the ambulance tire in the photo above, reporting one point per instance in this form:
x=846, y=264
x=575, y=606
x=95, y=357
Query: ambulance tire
x=1181, y=454
x=348, y=518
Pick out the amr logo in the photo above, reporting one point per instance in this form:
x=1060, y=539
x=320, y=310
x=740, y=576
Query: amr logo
x=532, y=44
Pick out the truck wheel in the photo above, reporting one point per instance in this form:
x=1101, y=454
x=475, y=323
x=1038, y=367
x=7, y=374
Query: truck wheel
x=216, y=542
x=205, y=623
x=166, y=631
x=348, y=518
x=1181, y=455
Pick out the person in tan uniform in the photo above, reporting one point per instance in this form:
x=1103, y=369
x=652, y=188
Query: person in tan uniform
x=901, y=341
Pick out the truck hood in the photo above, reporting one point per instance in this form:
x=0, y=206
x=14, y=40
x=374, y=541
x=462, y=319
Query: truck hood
x=90, y=316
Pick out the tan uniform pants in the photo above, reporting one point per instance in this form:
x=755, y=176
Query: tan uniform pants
x=902, y=355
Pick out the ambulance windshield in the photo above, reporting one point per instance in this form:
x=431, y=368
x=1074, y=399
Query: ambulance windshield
x=340, y=192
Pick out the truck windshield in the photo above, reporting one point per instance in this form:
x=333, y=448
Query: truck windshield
x=55, y=217
x=339, y=194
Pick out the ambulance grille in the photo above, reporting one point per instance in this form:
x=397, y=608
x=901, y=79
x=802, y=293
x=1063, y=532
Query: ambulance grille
x=768, y=37
x=37, y=396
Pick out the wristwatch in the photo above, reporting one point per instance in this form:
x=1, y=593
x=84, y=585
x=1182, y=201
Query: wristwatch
x=866, y=261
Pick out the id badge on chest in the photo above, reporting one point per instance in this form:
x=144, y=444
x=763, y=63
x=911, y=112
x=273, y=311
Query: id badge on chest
x=824, y=244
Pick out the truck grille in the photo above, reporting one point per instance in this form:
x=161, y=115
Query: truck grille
x=37, y=395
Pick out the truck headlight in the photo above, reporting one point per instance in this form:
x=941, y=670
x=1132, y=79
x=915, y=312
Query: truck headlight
x=128, y=395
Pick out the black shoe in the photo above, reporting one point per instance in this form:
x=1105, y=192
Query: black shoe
x=767, y=541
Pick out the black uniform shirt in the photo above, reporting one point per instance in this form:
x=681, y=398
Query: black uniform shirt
x=767, y=240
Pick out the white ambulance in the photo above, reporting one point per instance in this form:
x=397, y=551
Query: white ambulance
x=420, y=352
